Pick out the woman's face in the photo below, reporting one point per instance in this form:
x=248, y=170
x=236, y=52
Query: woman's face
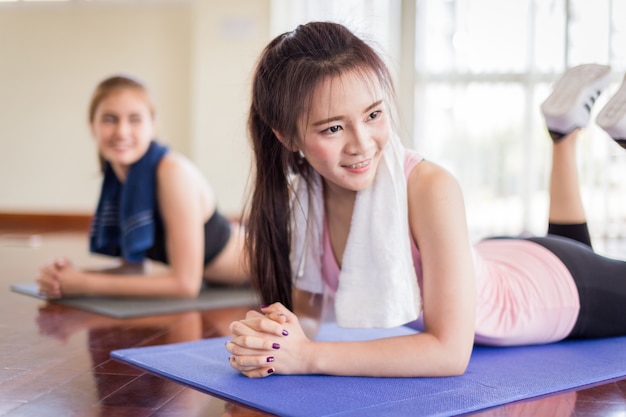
x=346, y=130
x=123, y=127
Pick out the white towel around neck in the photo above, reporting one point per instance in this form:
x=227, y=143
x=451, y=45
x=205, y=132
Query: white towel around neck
x=377, y=283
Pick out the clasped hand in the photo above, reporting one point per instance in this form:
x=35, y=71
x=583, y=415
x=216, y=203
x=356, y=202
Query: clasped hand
x=268, y=342
x=56, y=278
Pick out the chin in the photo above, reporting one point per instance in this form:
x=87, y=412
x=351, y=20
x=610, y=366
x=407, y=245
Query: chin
x=361, y=185
x=127, y=156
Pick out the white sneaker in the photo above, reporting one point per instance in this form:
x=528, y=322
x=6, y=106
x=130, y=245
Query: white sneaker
x=573, y=95
x=612, y=117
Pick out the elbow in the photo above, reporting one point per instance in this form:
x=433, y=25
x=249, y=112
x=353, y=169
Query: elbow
x=459, y=361
x=190, y=294
x=454, y=359
x=457, y=367
x=188, y=290
x=450, y=366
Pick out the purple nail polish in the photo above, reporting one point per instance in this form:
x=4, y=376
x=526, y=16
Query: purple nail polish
x=269, y=359
x=270, y=371
x=275, y=346
x=285, y=333
x=265, y=306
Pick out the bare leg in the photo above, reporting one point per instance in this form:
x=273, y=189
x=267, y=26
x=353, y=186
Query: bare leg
x=566, y=205
x=566, y=111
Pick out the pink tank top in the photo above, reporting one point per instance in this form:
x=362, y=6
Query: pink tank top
x=525, y=294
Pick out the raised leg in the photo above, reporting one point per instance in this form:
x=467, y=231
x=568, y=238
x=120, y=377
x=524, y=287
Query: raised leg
x=566, y=111
x=566, y=206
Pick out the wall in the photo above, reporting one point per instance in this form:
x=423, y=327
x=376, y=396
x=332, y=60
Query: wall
x=194, y=55
x=225, y=47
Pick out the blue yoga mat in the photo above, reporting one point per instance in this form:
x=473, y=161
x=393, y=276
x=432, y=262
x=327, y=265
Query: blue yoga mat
x=495, y=376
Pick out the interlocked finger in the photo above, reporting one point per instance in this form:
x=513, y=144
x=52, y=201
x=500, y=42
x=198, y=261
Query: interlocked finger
x=250, y=345
x=253, y=366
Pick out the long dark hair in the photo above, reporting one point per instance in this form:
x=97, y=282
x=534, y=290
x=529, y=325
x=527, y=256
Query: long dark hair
x=290, y=68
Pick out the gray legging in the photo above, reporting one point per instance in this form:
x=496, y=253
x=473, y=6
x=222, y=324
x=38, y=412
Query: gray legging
x=601, y=281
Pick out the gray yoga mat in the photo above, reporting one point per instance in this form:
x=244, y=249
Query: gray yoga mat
x=212, y=297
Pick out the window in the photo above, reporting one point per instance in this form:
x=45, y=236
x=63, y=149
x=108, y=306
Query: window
x=372, y=19
x=481, y=70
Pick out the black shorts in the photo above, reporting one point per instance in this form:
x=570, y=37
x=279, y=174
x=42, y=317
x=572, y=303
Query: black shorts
x=601, y=284
x=216, y=235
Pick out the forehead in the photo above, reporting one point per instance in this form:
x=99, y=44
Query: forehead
x=125, y=100
x=350, y=91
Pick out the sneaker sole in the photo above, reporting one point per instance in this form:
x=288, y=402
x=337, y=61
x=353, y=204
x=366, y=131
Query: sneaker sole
x=612, y=117
x=569, y=105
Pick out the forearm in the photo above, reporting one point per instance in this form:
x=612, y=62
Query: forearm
x=276, y=333
x=308, y=307
x=121, y=268
x=138, y=285
x=419, y=355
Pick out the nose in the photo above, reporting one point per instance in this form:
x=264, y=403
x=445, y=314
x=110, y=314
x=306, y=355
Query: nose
x=358, y=142
x=122, y=128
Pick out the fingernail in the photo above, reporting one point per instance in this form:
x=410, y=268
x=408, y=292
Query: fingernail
x=265, y=306
x=269, y=359
x=275, y=346
x=285, y=333
x=270, y=371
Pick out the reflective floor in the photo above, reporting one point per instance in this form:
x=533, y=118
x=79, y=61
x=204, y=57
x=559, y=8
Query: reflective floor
x=54, y=360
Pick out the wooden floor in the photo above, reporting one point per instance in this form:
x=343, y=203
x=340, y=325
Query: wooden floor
x=54, y=360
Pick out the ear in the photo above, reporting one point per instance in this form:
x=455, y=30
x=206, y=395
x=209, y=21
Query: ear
x=283, y=140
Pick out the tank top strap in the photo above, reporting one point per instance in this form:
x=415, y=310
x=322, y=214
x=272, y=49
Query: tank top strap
x=411, y=159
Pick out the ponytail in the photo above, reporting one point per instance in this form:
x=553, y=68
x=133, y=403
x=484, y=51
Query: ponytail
x=268, y=234
x=289, y=70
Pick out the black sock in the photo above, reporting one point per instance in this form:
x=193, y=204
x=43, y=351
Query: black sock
x=576, y=231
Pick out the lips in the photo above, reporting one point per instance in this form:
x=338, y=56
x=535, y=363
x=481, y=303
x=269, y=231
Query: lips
x=120, y=146
x=359, y=165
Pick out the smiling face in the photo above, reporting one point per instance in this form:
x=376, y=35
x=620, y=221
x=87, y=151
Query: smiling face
x=345, y=131
x=123, y=127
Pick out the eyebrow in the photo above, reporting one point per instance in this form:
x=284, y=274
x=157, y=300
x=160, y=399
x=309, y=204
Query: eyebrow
x=116, y=114
x=335, y=118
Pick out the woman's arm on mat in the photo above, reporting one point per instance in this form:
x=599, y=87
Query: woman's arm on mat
x=273, y=341
x=184, y=213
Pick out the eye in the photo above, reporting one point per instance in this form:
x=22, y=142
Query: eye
x=108, y=118
x=135, y=119
x=333, y=129
x=374, y=115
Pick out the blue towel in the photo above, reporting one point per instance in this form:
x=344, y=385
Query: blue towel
x=124, y=222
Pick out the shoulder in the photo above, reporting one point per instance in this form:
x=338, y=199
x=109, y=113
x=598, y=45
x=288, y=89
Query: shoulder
x=435, y=198
x=437, y=215
x=176, y=168
x=181, y=186
x=172, y=163
x=429, y=179
x=175, y=171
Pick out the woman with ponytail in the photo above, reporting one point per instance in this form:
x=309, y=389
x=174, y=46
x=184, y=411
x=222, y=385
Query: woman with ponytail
x=342, y=212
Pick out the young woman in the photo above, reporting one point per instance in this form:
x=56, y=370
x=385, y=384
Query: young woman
x=384, y=232
x=154, y=204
